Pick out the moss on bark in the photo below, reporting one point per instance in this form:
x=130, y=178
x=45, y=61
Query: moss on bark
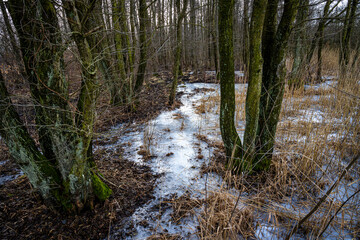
x=254, y=85
x=274, y=45
x=231, y=139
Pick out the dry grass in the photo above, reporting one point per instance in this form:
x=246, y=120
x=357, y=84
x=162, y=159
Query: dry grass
x=318, y=133
x=148, y=142
x=222, y=219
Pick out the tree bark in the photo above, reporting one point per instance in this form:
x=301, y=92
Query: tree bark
x=10, y=31
x=255, y=80
x=346, y=36
x=319, y=35
x=274, y=44
x=230, y=137
x=144, y=25
x=246, y=38
x=64, y=172
x=83, y=182
x=41, y=172
x=121, y=89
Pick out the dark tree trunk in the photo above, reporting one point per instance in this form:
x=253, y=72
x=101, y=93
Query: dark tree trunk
x=144, y=25
x=246, y=39
x=345, y=50
x=10, y=31
x=295, y=80
x=274, y=44
x=318, y=38
x=230, y=137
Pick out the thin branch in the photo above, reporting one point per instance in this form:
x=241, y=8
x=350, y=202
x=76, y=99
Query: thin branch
x=316, y=207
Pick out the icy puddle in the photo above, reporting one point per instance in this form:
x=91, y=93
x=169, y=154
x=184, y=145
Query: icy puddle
x=173, y=147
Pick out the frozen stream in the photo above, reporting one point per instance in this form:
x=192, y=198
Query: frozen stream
x=173, y=143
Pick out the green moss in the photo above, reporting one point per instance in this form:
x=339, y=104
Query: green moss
x=101, y=190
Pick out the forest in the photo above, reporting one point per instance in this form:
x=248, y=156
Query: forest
x=179, y=119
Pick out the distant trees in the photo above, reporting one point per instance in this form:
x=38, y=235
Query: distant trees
x=178, y=48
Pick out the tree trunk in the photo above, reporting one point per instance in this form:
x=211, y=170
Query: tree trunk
x=41, y=172
x=181, y=15
x=10, y=31
x=246, y=55
x=98, y=41
x=346, y=36
x=295, y=80
x=274, y=44
x=319, y=33
x=254, y=83
x=144, y=25
x=121, y=90
x=231, y=139
x=214, y=38
x=64, y=173
x=83, y=180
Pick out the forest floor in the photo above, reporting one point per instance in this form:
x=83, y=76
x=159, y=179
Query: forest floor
x=165, y=166
x=23, y=215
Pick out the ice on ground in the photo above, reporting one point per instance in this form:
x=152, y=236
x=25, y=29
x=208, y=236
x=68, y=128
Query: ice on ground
x=8, y=178
x=325, y=85
x=172, y=141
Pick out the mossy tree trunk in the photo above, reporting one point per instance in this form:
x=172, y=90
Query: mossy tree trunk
x=274, y=45
x=84, y=183
x=42, y=173
x=181, y=14
x=133, y=29
x=43, y=64
x=94, y=27
x=121, y=88
x=230, y=137
x=65, y=162
x=255, y=80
